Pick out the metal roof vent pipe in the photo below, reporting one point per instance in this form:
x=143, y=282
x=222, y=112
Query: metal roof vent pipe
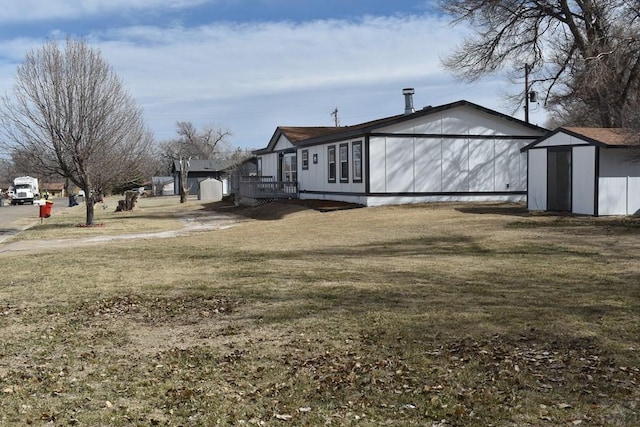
x=408, y=100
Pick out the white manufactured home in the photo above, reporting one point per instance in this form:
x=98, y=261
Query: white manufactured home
x=454, y=152
x=589, y=171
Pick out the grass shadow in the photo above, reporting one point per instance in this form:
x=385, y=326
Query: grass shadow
x=508, y=210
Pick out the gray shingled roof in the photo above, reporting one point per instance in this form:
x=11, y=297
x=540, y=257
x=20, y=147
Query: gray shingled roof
x=203, y=165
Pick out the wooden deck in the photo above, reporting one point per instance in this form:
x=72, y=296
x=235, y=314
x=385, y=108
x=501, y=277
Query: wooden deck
x=262, y=188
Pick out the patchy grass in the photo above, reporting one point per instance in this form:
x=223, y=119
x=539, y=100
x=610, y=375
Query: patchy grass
x=436, y=315
x=150, y=215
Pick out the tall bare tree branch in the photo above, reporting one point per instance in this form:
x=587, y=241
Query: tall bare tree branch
x=70, y=114
x=585, y=53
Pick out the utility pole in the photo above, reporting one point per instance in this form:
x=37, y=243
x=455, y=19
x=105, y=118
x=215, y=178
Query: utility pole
x=526, y=92
x=334, y=113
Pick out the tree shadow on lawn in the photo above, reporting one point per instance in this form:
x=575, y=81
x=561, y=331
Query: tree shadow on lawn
x=493, y=209
x=276, y=210
x=433, y=246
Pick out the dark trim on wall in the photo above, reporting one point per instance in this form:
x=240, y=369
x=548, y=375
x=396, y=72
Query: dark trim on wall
x=367, y=162
x=451, y=193
x=559, y=147
x=596, y=184
x=335, y=193
x=528, y=169
x=450, y=136
x=283, y=151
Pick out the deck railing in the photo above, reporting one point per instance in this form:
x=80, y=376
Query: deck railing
x=265, y=187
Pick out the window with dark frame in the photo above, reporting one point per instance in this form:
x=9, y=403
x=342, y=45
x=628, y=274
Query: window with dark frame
x=357, y=161
x=331, y=156
x=305, y=160
x=344, y=162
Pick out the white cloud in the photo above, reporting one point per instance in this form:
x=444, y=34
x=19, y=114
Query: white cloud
x=236, y=60
x=251, y=78
x=37, y=10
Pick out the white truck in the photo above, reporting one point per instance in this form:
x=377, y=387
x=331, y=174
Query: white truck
x=25, y=190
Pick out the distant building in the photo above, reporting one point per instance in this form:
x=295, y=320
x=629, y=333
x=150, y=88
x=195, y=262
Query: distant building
x=198, y=171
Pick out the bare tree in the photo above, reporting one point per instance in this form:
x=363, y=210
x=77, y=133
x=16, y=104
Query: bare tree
x=584, y=54
x=191, y=143
x=70, y=114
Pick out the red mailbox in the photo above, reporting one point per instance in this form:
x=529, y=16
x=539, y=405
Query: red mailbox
x=45, y=210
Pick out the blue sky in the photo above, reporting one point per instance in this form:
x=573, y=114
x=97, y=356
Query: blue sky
x=251, y=65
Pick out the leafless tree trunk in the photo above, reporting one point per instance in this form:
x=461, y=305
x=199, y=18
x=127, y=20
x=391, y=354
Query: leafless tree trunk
x=585, y=55
x=184, y=176
x=71, y=115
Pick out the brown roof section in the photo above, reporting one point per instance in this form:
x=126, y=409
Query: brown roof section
x=297, y=134
x=608, y=136
x=52, y=186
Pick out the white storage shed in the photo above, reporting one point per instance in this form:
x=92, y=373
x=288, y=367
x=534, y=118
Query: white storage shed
x=589, y=171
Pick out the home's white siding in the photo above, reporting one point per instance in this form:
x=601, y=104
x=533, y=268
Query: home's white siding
x=378, y=163
x=619, y=183
x=428, y=165
x=315, y=180
x=537, y=172
x=399, y=165
x=459, y=121
x=583, y=180
x=270, y=165
x=401, y=200
x=446, y=165
x=561, y=139
x=510, y=165
x=482, y=168
x=270, y=161
x=282, y=144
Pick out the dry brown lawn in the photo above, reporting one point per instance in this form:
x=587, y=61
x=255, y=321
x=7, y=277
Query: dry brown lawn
x=426, y=315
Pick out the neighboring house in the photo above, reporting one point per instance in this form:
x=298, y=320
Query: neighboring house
x=586, y=171
x=454, y=152
x=200, y=170
x=162, y=186
x=55, y=189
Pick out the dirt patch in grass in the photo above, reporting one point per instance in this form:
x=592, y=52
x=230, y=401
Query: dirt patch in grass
x=159, y=310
